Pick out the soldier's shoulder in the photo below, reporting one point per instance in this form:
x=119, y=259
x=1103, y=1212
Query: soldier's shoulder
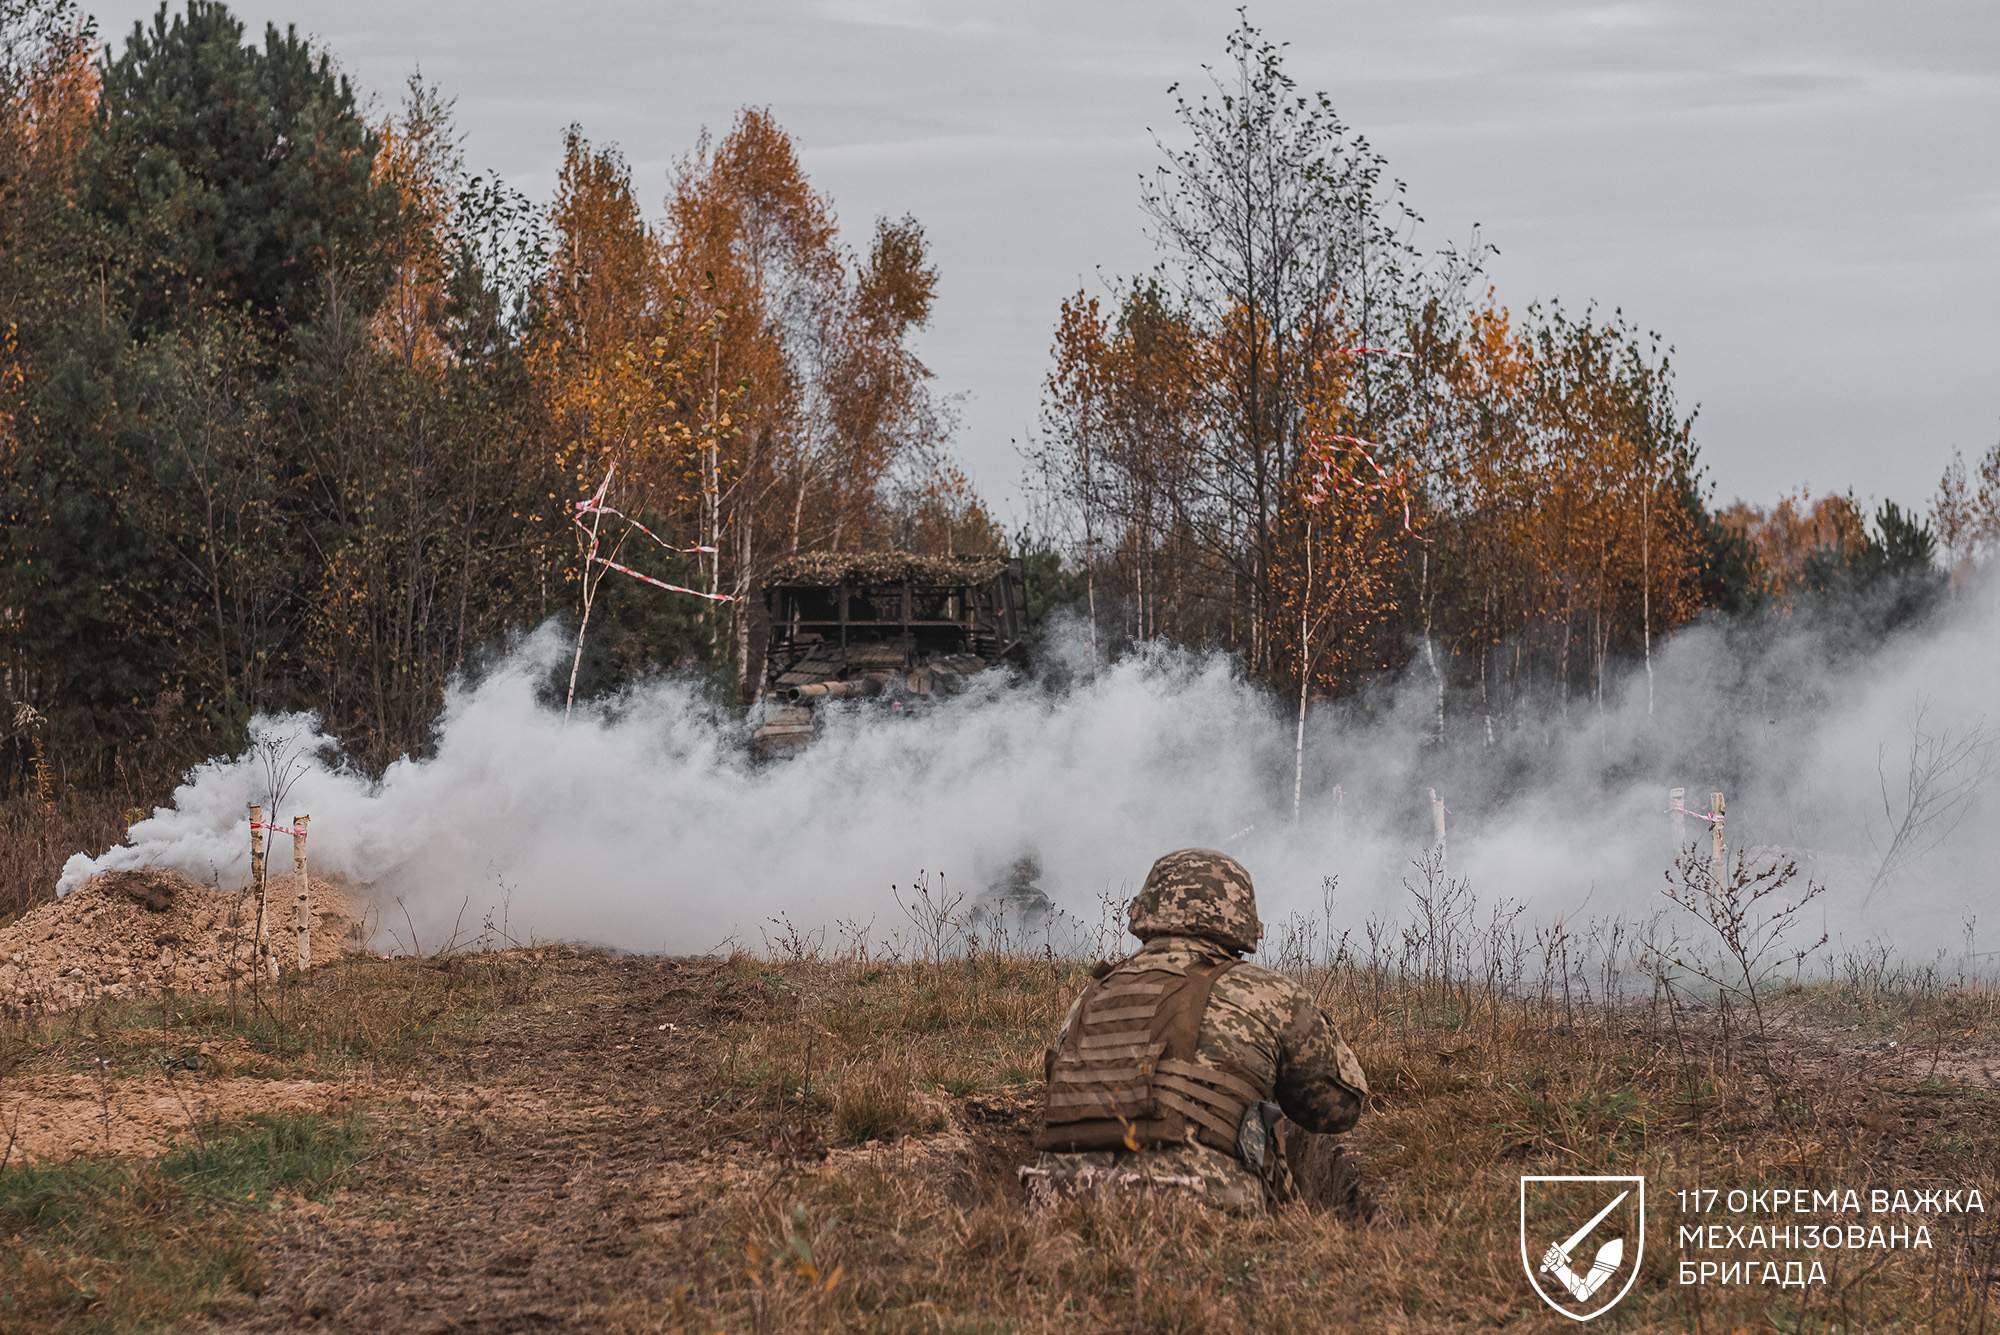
x=1255, y=982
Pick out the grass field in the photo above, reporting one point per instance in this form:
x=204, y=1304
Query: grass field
x=561, y=1139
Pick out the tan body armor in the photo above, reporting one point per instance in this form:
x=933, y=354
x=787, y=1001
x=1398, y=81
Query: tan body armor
x=1128, y=1075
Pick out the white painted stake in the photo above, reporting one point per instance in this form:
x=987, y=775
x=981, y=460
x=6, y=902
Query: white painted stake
x=1437, y=825
x=257, y=946
x=301, y=905
x=1721, y=864
x=1676, y=801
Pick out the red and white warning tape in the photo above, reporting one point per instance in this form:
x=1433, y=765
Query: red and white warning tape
x=278, y=829
x=672, y=588
x=592, y=507
x=1677, y=807
x=596, y=506
x=1327, y=478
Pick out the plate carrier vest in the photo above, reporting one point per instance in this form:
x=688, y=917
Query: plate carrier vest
x=1128, y=1075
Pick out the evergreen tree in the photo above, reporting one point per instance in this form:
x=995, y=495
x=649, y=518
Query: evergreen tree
x=236, y=176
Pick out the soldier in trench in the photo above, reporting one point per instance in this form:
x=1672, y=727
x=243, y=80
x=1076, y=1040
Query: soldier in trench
x=1183, y=1068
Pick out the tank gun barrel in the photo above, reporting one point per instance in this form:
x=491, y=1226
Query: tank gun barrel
x=835, y=690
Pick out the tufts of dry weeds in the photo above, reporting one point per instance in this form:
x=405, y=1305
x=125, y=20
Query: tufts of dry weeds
x=830, y=1143
x=37, y=836
x=1495, y=1051
x=1474, y=1087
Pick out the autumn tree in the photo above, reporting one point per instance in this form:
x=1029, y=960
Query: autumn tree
x=1113, y=465
x=1333, y=456
x=1965, y=513
x=747, y=375
x=833, y=403
x=267, y=456
x=1560, y=508
x=1284, y=245
x=1786, y=537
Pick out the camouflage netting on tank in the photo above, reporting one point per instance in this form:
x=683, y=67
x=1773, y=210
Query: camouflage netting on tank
x=832, y=568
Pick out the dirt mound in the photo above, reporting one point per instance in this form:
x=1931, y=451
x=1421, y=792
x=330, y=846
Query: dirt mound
x=126, y=933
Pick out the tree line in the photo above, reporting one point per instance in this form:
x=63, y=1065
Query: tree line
x=1306, y=440
x=295, y=409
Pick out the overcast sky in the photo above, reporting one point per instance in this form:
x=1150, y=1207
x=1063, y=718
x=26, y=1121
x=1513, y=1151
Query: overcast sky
x=1804, y=198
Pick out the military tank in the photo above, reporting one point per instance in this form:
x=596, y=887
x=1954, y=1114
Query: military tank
x=894, y=627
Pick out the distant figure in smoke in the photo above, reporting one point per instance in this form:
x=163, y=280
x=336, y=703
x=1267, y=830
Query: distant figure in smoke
x=1181, y=1068
x=1013, y=905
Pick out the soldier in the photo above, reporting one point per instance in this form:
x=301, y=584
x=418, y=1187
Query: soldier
x=1177, y=1063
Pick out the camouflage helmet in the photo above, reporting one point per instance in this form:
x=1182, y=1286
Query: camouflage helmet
x=1197, y=892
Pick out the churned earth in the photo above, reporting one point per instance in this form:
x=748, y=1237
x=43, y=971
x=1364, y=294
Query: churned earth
x=580, y=1164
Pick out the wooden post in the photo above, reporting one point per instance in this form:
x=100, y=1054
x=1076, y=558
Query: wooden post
x=1721, y=864
x=257, y=882
x=1437, y=825
x=1676, y=803
x=301, y=905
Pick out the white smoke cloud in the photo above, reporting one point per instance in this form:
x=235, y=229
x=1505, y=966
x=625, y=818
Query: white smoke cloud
x=644, y=824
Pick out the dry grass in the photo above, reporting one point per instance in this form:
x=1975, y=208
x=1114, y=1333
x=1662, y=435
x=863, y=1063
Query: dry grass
x=952, y=1027
x=1474, y=1087
x=108, y=1244
x=359, y=1015
x=821, y=1143
x=37, y=837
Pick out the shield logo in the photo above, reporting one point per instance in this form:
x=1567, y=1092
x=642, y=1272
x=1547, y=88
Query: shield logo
x=1581, y=1238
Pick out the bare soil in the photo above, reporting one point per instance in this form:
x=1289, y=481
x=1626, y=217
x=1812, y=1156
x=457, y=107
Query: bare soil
x=556, y=1168
x=63, y=1116
x=135, y=933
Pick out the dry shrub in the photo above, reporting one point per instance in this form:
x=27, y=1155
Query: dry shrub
x=876, y=1101
x=354, y=1013
x=36, y=838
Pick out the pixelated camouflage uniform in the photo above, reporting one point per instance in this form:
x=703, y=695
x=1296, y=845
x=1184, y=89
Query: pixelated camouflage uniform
x=1196, y=909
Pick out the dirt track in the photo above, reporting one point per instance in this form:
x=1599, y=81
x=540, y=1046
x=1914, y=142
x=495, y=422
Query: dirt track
x=557, y=1170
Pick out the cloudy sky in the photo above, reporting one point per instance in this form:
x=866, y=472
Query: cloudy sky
x=1804, y=198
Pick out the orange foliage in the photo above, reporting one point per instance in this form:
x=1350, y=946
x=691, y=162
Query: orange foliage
x=1787, y=534
x=1118, y=459
x=420, y=157
x=749, y=376
x=1545, y=475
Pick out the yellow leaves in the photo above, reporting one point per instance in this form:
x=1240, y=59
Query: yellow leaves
x=794, y=1256
x=1785, y=536
x=809, y=1272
